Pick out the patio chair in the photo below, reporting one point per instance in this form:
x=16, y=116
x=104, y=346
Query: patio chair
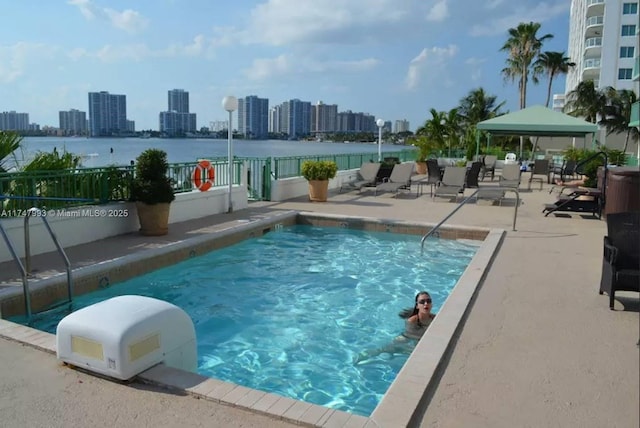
x=489, y=166
x=433, y=176
x=510, y=176
x=540, y=167
x=400, y=178
x=471, y=179
x=452, y=183
x=621, y=258
x=567, y=168
x=366, y=176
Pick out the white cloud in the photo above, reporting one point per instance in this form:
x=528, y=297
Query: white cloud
x=430, y=64
x=285, y=65
x=15, y=59
x=492, y=4
x=281, y=22
x=439, y=12
x=539, y=13
x=128, y=20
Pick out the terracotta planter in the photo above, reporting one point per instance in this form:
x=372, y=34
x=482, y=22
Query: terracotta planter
x=154, y=219
x=421, y=168
x=318, y=190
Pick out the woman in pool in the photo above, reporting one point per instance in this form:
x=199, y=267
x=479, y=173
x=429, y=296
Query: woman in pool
x=418, y=318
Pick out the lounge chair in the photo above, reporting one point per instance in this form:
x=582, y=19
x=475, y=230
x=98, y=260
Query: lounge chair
x=366, y=176
x=510, y=176
x=489, y=166
x=621, y=259
x=540, y=167
x=452, y=183
x=400, y=178
x=579, y=200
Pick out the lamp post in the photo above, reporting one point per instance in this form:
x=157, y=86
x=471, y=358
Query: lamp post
x=380, y=124
x=230, y=104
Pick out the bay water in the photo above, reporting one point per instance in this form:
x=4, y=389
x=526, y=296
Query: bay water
x=97, y=152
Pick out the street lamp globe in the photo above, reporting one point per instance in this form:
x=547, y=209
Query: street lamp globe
x=380, y=123
x=230, y=103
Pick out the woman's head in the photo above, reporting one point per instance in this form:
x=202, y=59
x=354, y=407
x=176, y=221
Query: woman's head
x=422, y=302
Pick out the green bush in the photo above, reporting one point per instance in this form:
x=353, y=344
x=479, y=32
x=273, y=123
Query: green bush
x=151, y=184
x=319, y=170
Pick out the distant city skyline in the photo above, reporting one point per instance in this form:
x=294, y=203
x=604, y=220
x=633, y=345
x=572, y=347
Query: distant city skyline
x=394, y=59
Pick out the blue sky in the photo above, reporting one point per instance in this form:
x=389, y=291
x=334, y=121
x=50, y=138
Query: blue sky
x=394, y=59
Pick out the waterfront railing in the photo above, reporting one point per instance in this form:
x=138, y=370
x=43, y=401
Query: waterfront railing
x=68, y=188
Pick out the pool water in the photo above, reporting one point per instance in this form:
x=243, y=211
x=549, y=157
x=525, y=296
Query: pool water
x=289, y=312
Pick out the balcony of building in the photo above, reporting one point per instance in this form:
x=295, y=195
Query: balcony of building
x=591, y=69
x=595, y=8
x=594, y=26
x=593, y=47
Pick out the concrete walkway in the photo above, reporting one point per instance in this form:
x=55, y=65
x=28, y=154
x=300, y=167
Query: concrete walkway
x=540, y=347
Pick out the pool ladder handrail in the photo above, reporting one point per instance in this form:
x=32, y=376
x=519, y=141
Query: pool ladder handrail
x=23, y=272
x=37, y=212
x=464, y=201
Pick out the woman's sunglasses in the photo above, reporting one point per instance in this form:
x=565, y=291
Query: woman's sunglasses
x=422, y=302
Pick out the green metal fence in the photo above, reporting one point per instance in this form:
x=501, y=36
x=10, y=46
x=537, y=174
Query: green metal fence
x=20, y=191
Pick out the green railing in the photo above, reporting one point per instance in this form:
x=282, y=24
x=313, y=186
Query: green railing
x=287, y=167
x=20, y=191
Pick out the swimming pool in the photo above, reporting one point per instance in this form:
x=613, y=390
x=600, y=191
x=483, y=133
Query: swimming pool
x=288, y=311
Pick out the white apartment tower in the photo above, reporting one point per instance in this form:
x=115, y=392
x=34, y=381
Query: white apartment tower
x=602, y=42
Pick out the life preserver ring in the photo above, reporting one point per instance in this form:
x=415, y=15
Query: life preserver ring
x=203, y=176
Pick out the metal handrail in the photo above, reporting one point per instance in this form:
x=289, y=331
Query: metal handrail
x=23, y=272
x=467, y=199
x=36, y=212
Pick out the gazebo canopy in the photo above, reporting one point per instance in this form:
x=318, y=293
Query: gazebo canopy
x=538, y=121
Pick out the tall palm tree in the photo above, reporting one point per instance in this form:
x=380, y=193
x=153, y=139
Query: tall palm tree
x=523, y=46
x=554, y=63
x=586, y=101
x=618, y=114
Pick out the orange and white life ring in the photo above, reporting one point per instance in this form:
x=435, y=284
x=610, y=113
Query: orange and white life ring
x=203, y=176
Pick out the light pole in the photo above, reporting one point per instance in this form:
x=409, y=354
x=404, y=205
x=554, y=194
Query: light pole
x=230, y=104
x=380, y=124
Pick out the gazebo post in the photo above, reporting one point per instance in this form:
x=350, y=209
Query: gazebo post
x=477, y=143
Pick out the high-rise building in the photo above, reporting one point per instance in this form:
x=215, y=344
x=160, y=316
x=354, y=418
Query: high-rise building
x=349, y=121
x=253, y=117
x=602, y=42
x=299, y=118
x=324, y=118
x=12, y=121
x=107, y=114
x=179, y=100
x=177, y=121
x=73, y=122
x=401, y=126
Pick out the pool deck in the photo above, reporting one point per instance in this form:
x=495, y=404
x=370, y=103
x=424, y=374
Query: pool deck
x=539, y=348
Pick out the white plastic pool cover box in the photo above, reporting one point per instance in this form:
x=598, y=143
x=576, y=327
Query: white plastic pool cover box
x=125, y=335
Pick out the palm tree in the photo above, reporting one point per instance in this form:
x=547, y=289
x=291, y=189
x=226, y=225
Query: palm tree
x=9, y=143
x=586, y=101
x=618, y=114
x=554, y=63
x=478, y=106
x=523, y=46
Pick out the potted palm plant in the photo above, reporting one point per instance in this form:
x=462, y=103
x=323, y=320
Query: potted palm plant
x=421, y=142
x=152, y=192
x=318, y=174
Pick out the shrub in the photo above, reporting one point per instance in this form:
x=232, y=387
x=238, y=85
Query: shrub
x=151, y=184
x=319, y=170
